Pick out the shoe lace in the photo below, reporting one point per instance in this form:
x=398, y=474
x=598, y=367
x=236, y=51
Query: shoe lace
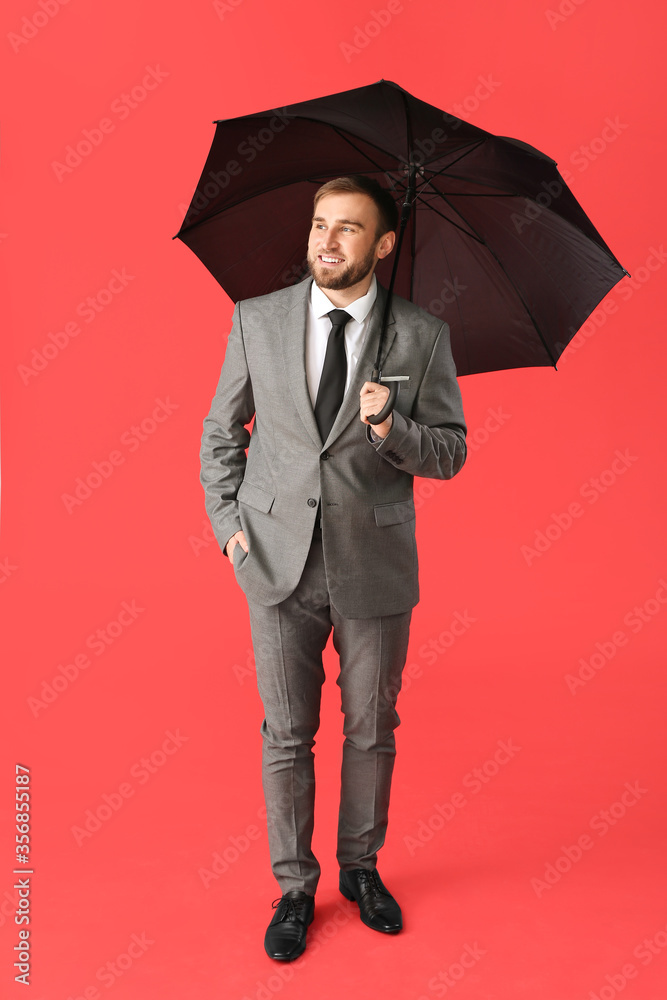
x=369, y=883
x=293, y=907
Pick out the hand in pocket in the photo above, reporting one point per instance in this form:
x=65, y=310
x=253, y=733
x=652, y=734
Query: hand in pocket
x=236, y=539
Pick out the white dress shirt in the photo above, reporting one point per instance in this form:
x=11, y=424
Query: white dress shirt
x=318, y=328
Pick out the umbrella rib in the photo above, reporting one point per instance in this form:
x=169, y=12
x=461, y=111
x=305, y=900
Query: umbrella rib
x=475, y=236
x=411, y=181
x=511, y=194
x=598, y=246
x=466, y=152
x=444, y=172
x=347, y=139
x=240, y=201
x=512, y=283
x=462, y=323
x=431, y=208
x=344, y=135
x=278, y=186
x=480, y=194
x=472, y=235
x=516, y=194
x=407, y=207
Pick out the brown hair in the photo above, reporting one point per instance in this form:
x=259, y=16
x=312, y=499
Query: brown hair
x=360, y=184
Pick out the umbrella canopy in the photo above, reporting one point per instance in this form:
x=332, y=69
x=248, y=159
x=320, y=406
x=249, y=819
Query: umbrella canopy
x=495, y=244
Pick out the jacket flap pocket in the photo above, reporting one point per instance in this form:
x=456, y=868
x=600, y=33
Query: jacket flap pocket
x=255, y=496
x=394, y=513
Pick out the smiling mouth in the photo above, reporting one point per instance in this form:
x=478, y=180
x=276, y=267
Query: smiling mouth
x=331, y=260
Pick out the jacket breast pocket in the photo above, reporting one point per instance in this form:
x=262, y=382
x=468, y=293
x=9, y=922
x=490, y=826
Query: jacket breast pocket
x=255, y=496
x=394, y=513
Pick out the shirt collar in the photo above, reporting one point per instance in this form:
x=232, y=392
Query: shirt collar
x=358, y=310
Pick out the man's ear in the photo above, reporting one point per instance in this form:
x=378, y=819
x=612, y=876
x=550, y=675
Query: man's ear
x=386, y=244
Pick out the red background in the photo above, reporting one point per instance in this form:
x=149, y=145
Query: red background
x=474, y=884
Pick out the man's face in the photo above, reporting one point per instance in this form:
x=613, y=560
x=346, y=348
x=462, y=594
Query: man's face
x=343, y=246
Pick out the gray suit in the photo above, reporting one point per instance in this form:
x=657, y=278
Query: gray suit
x=358, y=574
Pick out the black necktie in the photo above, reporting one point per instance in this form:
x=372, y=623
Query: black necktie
x=332, y=382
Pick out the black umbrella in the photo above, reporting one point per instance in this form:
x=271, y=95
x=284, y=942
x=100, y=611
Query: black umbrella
x=494, y=241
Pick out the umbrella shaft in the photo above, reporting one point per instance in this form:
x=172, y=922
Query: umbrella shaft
x=405, y=215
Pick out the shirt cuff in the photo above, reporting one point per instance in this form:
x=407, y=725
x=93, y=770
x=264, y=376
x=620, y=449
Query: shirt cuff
x=374, y=438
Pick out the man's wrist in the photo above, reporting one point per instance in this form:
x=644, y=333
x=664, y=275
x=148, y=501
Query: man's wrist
x=375, y=428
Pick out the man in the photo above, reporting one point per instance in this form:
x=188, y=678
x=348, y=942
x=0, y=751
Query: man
x=319, y=524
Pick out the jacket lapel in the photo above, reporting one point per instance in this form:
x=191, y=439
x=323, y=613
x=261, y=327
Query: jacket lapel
x=293, y=338
x=350, y=406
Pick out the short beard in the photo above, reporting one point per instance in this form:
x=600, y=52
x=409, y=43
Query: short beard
x=349, y=276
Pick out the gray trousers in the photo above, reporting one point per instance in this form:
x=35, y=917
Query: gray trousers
x=288, y=640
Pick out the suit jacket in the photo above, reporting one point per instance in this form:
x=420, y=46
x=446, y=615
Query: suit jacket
x=365, y=487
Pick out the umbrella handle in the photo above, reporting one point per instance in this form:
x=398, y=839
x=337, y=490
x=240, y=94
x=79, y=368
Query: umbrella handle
x=377, y=418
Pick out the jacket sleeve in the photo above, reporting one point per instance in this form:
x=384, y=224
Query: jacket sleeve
x=432, y=442
x=225, y=437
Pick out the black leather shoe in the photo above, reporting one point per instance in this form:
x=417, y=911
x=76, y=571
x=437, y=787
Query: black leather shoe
x=377, y=906
x=285, y=937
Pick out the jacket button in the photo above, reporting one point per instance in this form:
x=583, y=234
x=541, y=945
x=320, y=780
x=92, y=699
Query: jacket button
x=312, y=503
x=325, y=455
